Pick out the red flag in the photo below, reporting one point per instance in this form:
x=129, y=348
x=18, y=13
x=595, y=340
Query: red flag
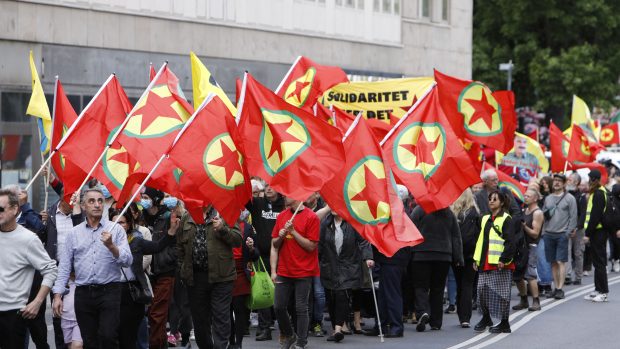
x=100, y=121
x=516, y=188
x=159, y=115
x=152, y=72
x=291, y=149
x=428, y=158
x=476, y=113
x=64, y=116
x=210, y=154
x=238, y=84
x=534, y=135
x=364, y=195
x=379, y=128
x=342, y=120
x=610, y=134
x=581, y=148
x=322, y=112
x=306, y=81
x=559, y=150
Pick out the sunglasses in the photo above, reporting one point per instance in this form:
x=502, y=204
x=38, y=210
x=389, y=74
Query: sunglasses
x=2, y=209
x=493, y=199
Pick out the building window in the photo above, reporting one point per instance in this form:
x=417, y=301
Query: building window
x=14, y=107
x=396, y=7
x=376, y=5
x=386, y=6
x=425, y=8
x=445, y=8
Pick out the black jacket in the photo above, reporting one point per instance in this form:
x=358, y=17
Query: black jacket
x=508, y=234
x=164, y=263
x=264, y=214
x=140, y=247
x=596, y=214
x=342, y=271
x=469, y=225
x=582, y=203
x=247, y=255
x=49, y=235
x=442, y=236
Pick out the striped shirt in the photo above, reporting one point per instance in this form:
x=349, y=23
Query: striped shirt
x=92, y=262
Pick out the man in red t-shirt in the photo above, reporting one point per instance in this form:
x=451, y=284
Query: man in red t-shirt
x=295, y=244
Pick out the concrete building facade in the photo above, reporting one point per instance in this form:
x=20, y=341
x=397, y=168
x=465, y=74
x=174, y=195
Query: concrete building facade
x=83, y=41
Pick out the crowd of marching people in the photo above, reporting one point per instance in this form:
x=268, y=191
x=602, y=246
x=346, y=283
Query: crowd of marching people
x=157, y=278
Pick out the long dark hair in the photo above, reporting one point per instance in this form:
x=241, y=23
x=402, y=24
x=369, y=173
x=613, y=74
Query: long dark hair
x=503, y=199
x=113, y=212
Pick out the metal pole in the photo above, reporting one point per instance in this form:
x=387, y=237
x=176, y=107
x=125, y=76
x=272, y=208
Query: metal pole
x=374, y=295
x=510, y=75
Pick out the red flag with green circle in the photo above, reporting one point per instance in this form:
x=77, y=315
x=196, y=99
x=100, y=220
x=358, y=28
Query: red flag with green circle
x=364, y=194
x=582, y=148
x=291, y=149
x=306, y=81
x=210, y=154
x=476, y=113
x=428, y=158
x=66, y=170
x=610, y=134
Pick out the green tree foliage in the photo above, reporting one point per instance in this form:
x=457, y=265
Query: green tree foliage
x=559, y=48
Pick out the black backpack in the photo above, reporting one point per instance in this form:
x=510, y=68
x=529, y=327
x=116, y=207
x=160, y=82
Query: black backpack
x=611, y=215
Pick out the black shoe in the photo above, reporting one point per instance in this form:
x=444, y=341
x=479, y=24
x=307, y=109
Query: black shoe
x=394, y=335
x=483, y=324
x=336, y=337
x=550, y=294
x=347, y=333
x=577, y=282
x=523, y=304
x=502, y=327
x=359, y=331
x=451, y=309
x=422, y=321
x=264, y=336
x=559, y=294
x=568, y=282
x=372, y=332
x=435, y=328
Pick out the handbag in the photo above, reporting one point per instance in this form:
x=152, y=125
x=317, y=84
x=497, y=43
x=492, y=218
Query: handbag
x=262, y=288
x=548, y=212
x=137, y=292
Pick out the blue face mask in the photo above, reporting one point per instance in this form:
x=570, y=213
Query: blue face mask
x=146, y=203
x=106, y=192
x=171, y=202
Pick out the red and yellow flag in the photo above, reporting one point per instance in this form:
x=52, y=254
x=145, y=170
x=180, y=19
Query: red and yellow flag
x=63, y=117
x=428, y=158
x=306, y=81
x=210, y=154
x=559, y=145
x=364, y=194
x=476, y=113
x=291, y=149
x=610, y=134
x=582, y=149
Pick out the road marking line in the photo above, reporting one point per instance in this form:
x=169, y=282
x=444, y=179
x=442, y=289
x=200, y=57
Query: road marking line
x=529, y=317
x=517, y=314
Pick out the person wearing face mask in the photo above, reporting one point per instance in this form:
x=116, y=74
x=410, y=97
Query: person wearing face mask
x=108, y=202
x=163, y=266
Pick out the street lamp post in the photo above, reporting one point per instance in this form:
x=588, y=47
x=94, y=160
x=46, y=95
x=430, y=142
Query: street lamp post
x=507, y=67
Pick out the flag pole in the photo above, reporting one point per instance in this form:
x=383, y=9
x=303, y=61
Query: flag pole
x=241, y=100
x=164, y=156
x=287, y=74
x=374, y=296
x=565, y=166
x=413, y=107
x=120, y=129
x=52, y=151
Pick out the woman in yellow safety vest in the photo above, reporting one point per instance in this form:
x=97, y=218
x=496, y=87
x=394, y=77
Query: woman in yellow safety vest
x=493, y=255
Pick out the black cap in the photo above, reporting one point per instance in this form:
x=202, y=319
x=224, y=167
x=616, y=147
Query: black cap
x=154, y=194
x=560, y=176
x=594, y=174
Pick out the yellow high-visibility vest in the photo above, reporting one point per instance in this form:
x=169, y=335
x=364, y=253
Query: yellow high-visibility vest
x=589, y=208
x=496, y=242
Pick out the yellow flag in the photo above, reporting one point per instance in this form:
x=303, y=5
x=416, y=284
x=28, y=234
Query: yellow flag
x=526, y=154
x=38, y=107
x=203, y=83
x=580, y=115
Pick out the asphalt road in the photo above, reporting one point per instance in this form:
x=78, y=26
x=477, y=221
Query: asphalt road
x=568, y=323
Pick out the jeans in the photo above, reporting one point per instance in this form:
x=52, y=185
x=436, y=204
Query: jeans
x=451, y=283
x=575, y=256
x=598, y=240
x=158, y=311
x=143, y=334
x=132, y=314
x=285, y=288
x=98, y=312
x=319, y=301
x=429, y=280
x=464, y=276
x=12, y=329
x=543, y=267
x=210, y=307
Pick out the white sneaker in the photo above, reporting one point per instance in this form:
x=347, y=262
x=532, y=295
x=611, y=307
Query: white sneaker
x=590, y=296
x=192, y=337
x=616, y=266
x=601, y=297
x=586, y=273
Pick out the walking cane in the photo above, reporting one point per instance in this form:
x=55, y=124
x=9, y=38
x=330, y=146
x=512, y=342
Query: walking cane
x=374, y=296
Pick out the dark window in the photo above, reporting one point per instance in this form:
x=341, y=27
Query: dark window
x=14, y=105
